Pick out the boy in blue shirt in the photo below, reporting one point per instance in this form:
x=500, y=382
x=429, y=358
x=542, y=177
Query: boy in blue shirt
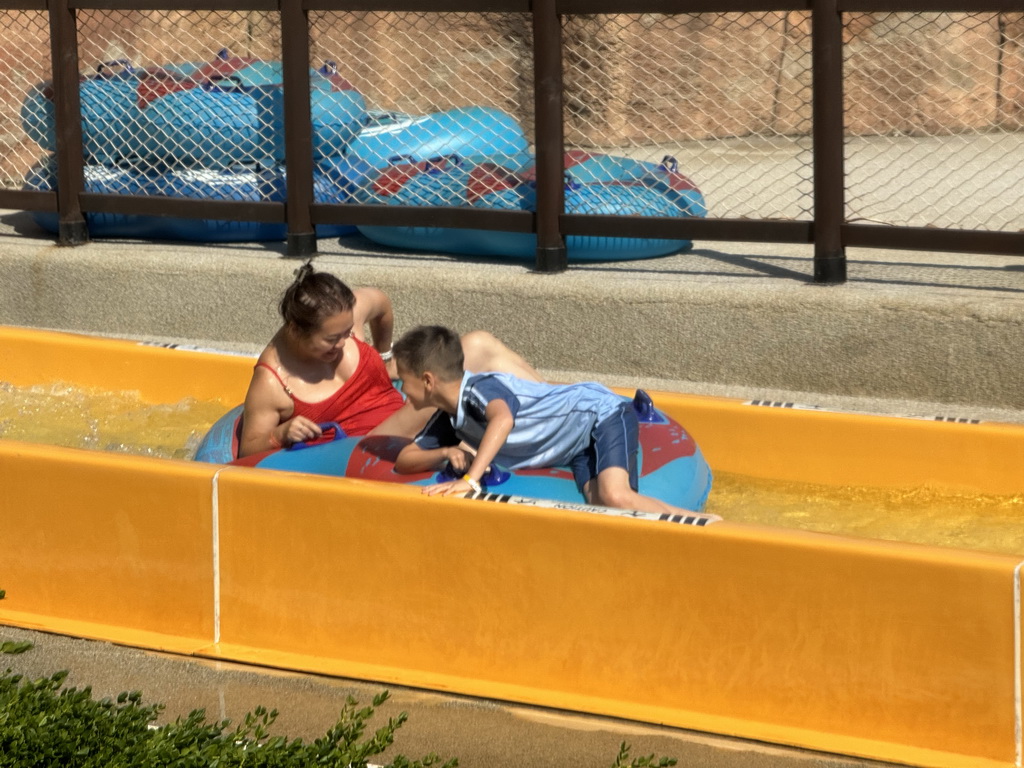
x=518, y=424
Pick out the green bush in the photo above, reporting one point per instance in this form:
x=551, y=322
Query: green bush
x=9, y=646
x=44, y=724
x=650, y=761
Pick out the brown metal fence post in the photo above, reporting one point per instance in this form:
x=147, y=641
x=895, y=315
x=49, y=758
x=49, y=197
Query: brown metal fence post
x=829, y=179
x=547, y=86
x=298, y=128
x=71, y=227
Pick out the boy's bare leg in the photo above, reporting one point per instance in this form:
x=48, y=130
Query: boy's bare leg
x=611, y=489
x=485, y=352
x=405, y=422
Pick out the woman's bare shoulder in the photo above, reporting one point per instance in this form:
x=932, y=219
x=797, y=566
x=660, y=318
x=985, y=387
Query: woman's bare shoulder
x=267, y=372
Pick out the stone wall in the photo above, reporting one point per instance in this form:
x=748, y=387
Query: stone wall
x=912, y=76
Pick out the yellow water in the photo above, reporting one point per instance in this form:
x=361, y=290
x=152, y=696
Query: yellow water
x=920, y=515
x=73, y=417
x=58, y=414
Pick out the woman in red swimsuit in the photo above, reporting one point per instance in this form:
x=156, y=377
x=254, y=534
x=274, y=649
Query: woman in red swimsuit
x=317, y=367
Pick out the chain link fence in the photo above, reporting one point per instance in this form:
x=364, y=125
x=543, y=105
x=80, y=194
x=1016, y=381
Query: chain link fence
x=24, y=61
x=726, y=95
x=172, y=104
x=190, y=104
x=934, y=111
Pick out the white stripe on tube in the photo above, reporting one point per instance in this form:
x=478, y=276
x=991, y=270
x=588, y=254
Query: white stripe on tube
x=694, y=518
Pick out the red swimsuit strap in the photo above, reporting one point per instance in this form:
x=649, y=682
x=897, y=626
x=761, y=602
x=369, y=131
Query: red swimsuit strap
x=365, y=399
x=319, y=405
x=276, y=376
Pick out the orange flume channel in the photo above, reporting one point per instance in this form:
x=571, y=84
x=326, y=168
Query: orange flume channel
x=893, y=651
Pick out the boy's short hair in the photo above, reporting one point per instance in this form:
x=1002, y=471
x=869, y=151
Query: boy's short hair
x=431, y=348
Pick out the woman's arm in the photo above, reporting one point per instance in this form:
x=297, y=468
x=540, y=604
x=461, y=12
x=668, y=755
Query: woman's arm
x=263, y=427
x=373, y=307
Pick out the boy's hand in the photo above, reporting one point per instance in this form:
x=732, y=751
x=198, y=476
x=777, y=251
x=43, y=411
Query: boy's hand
x=457, y=458
x=451, y=488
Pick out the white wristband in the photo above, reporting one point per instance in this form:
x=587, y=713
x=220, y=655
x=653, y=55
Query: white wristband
x=472, y=483
x=386, y=356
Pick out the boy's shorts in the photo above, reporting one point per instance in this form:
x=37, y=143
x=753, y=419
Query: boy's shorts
x=613, y=443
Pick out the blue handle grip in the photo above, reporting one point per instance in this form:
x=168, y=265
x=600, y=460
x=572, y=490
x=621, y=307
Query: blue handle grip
x=339, y=434
x=494, y=475
x=117, y=68
x=226, y=84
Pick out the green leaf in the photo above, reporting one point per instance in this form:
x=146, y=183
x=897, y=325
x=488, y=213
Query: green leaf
x=12, y=647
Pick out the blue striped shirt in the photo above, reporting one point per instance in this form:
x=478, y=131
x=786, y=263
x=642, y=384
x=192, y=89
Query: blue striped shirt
x=553, y=423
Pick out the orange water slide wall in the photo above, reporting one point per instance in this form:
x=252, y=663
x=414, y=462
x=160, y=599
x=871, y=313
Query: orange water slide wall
x=890, y=651
x=897, y=652
x=121, y=541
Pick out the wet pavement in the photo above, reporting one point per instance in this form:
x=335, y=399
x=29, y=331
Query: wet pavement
x=479, y=733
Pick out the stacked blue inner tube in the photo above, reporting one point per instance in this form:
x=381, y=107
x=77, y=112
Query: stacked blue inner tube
x=594, y=184
x=213, y=115
x=236, y=183
x=216, y=131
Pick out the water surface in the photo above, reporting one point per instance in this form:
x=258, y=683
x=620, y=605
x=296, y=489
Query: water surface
x=59, y=414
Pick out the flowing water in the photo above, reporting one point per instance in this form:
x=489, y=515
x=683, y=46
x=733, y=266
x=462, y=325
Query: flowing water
x=74, y=417
x=57, y=414
x=921, y=515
